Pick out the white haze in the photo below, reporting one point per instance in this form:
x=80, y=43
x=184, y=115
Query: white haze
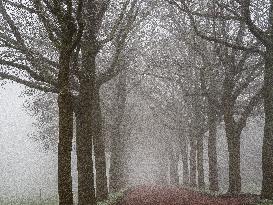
x=24, y=168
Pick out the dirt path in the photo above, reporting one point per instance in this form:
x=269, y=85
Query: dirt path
x=156, y=195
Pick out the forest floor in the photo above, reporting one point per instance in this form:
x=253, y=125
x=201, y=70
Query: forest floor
x=157, y=195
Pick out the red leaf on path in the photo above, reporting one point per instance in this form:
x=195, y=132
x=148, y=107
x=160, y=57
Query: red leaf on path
x=159, y=195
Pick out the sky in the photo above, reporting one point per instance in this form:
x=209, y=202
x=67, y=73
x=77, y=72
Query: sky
x=24, y=167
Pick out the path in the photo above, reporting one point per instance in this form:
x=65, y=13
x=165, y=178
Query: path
x=156, y=195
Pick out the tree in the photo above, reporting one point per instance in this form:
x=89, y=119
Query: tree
x=220, y=16
x=45, y=79
x=117, y=164
x=43, y=108
x=65, y=43
x=172, y=85
x=89, y=113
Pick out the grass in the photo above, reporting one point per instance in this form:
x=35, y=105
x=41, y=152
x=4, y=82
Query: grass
x=112, y=198
x=28, y=201
x=266, y=202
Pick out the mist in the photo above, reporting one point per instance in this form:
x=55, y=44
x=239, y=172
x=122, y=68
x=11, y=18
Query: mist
x=25, y=167
x=134, y=102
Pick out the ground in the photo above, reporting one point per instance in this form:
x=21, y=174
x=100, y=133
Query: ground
x=157, y=195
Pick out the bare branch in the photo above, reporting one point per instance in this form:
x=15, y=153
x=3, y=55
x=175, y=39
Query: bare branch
x=52, y=31
x=210, y=38
x=251, y=76
x=21, y=6
x=117, y=23
x=112, y=71
x=257, y=32
x=30, y=84
x=254, y=101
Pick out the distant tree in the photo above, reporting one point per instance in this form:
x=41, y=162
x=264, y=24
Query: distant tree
x=176, y=67
x=117, y=163
x=232, y=62
x=43, y=108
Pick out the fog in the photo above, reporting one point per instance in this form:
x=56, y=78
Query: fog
x=168, y=93
x=25, y=168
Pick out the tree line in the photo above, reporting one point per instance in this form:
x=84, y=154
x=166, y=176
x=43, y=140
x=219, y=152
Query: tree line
x=197, y=63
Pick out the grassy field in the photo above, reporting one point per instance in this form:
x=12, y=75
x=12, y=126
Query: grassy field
x=266, y=203
x=24, y=201
x=113, y=197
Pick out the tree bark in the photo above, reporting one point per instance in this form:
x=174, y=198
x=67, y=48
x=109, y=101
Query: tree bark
x=117, y=165
x=93, y=15
x=85, y=123
x=267, y=150
x=233, y=140
x=99, y=149
x=162, y=176
x=65, y=130
x=174, y=177
x=212, y=148
x=232, y=134
x=200, y=162
x=86, y=190
x=185, y=163
x=193, y=154
x=89, y=125
x=90, y=128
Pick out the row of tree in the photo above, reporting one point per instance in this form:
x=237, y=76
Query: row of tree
x=198, y=63
x=243, y=30
x=52, y=46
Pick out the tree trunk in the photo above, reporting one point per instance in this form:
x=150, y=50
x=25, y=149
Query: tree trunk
x=212, y=149
x=185, y=163
x=200, y=162
x=86, y=190
x=196, y=128
x=90, y=129
x=85, y=123
x=99, y=149
x=89, y=125
x=232, y=134
x=233, y=140
x=174, y=177
x=267, y=153
x=162, y=176
x=117, y=165
x=193, y=152
x=65, y=131
x=90, y=93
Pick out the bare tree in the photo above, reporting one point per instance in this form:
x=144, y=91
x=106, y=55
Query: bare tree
x=222, y=13
x=41, y=69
